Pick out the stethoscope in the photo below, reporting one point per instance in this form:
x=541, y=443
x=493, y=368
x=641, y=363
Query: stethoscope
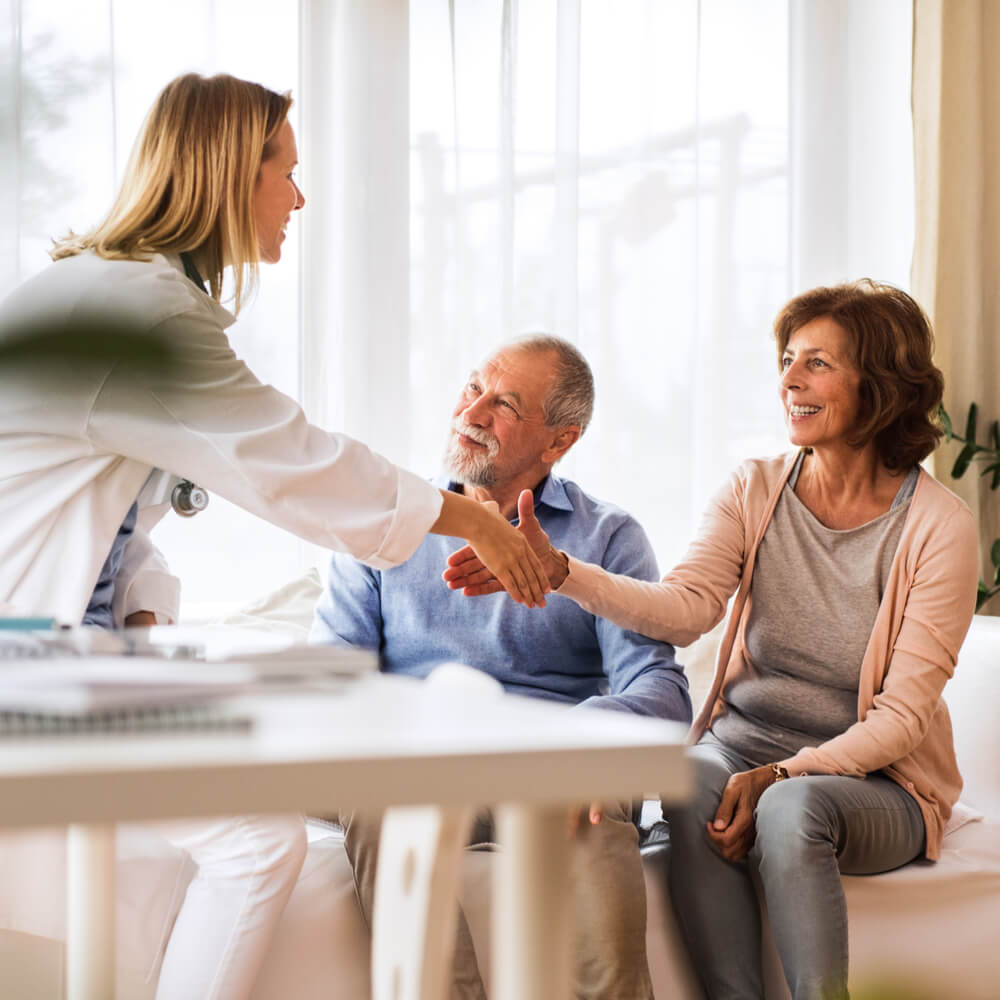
x=188, y=499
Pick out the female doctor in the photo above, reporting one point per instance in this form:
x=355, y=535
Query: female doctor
x=86, y=444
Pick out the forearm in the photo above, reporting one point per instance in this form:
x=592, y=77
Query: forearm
x=460, y=517
x=663, y=695
x=211, y=419
x=899, y=717
x=349, y=610
x=668, y=611
x=690, y=600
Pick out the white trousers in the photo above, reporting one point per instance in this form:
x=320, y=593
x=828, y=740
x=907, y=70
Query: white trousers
x=247, y=867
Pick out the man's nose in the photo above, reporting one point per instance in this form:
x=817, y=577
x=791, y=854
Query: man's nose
x=477, y=412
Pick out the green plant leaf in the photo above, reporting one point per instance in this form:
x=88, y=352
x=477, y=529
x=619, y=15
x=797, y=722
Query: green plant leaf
x=994, y=437
x=982, y=595
x=995, y=554
x=970, y=423
x=965, y=457
x=994, y=467
x=945, y=422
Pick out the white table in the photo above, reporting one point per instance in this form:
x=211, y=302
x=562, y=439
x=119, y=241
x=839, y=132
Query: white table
x=380, y=742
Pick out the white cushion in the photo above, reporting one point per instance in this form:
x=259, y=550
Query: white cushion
x=973, y=698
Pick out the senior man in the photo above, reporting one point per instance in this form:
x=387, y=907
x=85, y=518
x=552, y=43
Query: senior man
x=518, y=414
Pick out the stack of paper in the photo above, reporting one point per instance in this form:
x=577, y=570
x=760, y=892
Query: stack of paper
x=115, y=694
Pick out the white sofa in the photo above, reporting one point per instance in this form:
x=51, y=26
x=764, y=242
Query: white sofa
x=923, y=931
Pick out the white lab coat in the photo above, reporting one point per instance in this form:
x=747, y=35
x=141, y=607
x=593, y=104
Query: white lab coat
x=78, y=441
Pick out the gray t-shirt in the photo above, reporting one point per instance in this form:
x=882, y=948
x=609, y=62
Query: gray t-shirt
x=814, y=597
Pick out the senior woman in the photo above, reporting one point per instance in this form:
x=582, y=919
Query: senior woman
x=88, y=442
x=823, y=745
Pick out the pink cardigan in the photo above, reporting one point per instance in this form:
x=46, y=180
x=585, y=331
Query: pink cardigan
x=903, y=726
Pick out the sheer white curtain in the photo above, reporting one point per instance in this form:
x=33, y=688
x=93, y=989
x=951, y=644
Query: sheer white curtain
x=649, y=179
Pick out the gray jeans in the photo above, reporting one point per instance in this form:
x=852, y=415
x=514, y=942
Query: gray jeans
x=610, y=906
x=810, y=829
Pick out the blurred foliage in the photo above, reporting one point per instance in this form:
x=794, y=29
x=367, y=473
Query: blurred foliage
x=89, y=341
x=894, y=990
x=989, y=455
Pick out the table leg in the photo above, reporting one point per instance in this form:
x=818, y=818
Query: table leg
x=90, y=913
x=416, y=902
x=532, y=916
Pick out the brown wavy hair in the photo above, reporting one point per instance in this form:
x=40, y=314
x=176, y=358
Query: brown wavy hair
x=892, y=346
x=189, y=183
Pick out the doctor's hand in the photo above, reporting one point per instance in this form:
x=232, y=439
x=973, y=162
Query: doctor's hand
x=466, y=572
x=501, y=552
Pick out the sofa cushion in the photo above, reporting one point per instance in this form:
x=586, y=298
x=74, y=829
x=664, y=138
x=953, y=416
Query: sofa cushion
x=973, y=698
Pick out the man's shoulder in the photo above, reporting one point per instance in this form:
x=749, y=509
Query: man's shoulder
x=596, y=530
x=586, y=505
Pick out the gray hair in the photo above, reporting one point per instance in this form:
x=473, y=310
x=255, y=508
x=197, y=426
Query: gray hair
x=571, y=399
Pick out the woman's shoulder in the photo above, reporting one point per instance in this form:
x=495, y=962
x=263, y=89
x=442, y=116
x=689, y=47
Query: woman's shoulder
x=155, y=288
x=932, y=494
x=144, y=292
x=936, y=512
x=755, y=476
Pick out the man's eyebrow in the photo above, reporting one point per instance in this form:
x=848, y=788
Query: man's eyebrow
x=513, y=395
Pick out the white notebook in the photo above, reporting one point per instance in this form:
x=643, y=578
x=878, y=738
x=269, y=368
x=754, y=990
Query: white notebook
x=111, y=683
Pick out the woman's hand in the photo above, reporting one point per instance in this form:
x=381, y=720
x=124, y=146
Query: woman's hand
x=501, y=552
x=733, y=831
x=467, y=572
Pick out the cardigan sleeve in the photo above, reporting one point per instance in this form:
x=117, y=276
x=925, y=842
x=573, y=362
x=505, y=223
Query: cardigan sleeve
x=939, y=604
x=692, y=598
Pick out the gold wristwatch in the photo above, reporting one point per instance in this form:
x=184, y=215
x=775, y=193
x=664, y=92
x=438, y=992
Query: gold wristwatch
x=779, y=772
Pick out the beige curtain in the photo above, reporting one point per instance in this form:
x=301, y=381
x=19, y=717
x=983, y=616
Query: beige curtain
x=956, y=261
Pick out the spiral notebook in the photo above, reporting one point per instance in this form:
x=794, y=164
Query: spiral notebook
x=109, y=694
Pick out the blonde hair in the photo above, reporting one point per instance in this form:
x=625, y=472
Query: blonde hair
x=189, y=183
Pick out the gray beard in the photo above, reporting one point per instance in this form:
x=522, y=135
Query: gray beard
x=467, y=469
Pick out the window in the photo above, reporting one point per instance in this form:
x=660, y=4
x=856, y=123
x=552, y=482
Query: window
x=649, y=180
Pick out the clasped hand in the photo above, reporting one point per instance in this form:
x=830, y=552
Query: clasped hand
x=733, y=830
x=466, y=571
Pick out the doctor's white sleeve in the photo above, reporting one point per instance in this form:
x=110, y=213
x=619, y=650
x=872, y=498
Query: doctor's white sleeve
x=145, y=583
x=208, y=418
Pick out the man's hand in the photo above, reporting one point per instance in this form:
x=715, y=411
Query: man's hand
x=502, y=552
x=467, y=573
x=733, y=831
x=585, y=816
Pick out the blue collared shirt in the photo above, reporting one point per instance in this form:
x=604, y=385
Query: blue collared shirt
x=559, y=652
